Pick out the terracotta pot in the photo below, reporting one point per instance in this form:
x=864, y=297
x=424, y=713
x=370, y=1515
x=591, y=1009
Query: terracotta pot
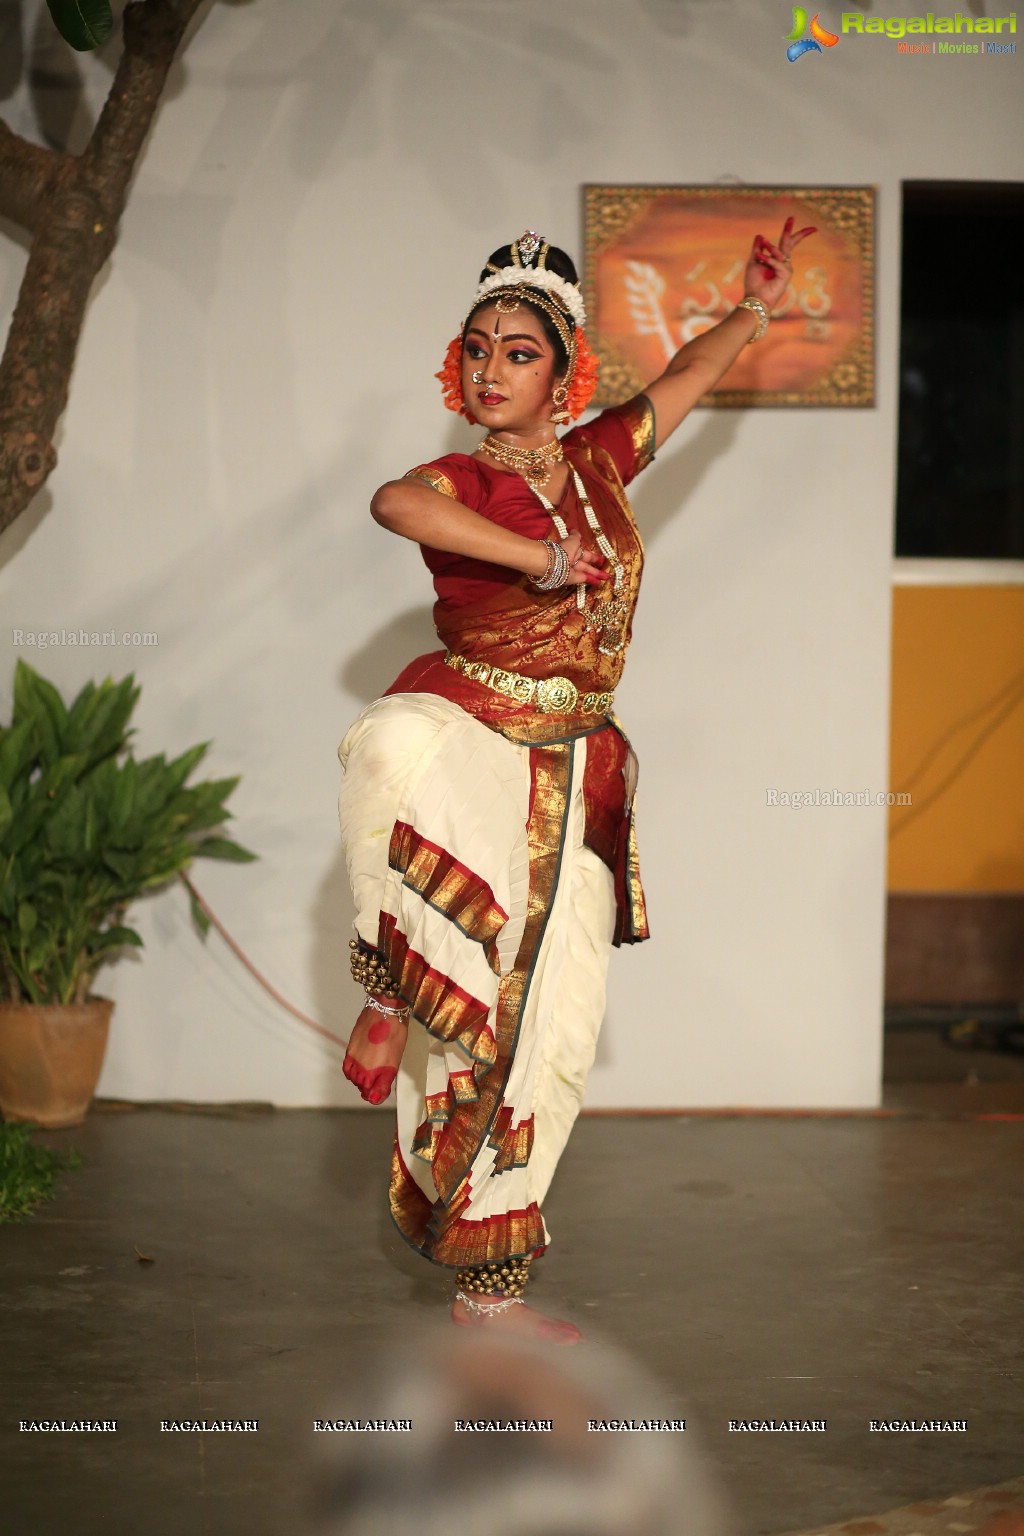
x=51, y=1055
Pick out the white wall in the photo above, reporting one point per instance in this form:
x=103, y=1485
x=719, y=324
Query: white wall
x=321, y=187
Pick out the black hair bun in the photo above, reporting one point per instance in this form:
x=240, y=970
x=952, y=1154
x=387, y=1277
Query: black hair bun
x=555, y=261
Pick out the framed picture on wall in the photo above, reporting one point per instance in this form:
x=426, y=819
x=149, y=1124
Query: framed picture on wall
x=663, y=264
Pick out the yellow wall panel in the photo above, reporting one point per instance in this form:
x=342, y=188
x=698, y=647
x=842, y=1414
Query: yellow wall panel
x=957, y=738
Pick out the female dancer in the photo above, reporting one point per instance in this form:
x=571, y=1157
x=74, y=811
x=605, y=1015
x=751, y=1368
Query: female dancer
x=487, y=803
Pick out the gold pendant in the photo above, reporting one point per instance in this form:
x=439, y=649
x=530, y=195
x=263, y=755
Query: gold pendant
x=610, y=618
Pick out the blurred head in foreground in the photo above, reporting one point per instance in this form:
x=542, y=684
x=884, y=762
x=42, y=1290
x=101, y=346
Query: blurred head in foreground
x=570, y=1481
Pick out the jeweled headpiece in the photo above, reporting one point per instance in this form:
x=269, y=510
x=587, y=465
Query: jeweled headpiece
x=532, y=248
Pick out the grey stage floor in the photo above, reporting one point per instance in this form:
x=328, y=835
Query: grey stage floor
x=847, y=1269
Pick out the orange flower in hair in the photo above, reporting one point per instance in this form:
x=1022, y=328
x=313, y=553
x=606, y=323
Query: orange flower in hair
x=451, y=379
x=584, y=380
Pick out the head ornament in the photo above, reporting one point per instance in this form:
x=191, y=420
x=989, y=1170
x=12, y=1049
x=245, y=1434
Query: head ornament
x=528, y=270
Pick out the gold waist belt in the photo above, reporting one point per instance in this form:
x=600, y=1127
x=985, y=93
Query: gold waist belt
x=554, y=695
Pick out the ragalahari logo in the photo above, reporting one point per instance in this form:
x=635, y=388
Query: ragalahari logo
x=799, y=44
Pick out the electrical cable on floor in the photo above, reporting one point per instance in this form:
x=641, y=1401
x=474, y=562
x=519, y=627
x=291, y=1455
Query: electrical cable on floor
x=264, y=983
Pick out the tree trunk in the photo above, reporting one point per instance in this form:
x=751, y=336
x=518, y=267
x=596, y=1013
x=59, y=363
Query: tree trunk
x=71, y=204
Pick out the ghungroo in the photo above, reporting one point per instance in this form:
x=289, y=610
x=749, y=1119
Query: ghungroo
x=505, y=1277
x=370, y=969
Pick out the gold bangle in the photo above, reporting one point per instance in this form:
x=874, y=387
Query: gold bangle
x=756, y=308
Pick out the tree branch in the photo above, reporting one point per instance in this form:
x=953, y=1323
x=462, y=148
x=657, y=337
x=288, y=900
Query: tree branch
x=74, y=232
x=27, y=175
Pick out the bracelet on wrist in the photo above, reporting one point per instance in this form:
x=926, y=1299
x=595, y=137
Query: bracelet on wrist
x=556, y=570
x=759, y=311
x=549, y=563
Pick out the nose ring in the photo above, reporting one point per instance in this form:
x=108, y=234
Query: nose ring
x=478, y=378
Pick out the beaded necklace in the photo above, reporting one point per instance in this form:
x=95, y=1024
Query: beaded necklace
x=611, y=615
x=534, y=464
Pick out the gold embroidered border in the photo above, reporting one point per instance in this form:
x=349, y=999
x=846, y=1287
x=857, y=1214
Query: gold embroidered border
x=498, y=1237
x=599, y=462
x=424, y=1142
x=499, y=1130
x=514, y=1146
x=638, y=415
x=439, y=1106
x=410, y=1207
x=449, y=887
x=508, y=1235
x=435, y=478
x=463, y=1087
x=440, y=1006
x=637, y=903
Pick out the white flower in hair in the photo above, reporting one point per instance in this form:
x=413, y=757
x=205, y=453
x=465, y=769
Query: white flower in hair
x=535, y=277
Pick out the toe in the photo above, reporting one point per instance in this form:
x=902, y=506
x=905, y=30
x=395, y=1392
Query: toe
x=380, y=1086
x=356, y=1075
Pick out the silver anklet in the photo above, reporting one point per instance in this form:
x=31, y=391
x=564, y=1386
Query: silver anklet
x=371, y=1002
x=484, y=1307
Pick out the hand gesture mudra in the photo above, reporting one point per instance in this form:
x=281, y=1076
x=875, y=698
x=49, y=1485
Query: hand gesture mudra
x=770, y=266
x=586, y=564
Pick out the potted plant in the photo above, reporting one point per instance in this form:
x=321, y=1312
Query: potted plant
x=85, y=829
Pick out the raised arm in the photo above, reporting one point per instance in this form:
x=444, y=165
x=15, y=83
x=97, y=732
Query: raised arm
x=699, y=365
x=416, y=511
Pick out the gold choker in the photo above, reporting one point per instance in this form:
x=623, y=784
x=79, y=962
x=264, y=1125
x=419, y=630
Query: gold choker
x=534, y=464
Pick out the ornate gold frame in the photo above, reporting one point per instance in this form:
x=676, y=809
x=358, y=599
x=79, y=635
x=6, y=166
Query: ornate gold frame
x=615, y=218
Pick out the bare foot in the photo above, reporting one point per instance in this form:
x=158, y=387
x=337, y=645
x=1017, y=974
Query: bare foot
x=375, y=1049
x=518, y=1319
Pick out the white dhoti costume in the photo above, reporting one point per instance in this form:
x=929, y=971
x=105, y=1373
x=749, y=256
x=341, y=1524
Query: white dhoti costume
x=470, y=874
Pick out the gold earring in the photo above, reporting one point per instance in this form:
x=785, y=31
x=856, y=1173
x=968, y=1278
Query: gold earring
x=559, y=396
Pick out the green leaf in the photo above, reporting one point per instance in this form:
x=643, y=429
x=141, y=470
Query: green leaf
x=39, y=952
x=109, y=727
x=27, y=917
x=82, y=23
x=41, y=801
x=224, y=848
x=37, y=700
x=123, y=864
x=65, y=829
x=199, y=917
x=89, y=829
x=97, y=722
x=6, y=814
x=113, y=938
x=81, y=709
x=179, y=770
x=16, y=752
x=202, y=805
x=124, y=795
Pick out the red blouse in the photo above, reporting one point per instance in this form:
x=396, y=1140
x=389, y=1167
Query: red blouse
x=625, y=432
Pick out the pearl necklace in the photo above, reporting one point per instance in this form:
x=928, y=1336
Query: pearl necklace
x=610, y=616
